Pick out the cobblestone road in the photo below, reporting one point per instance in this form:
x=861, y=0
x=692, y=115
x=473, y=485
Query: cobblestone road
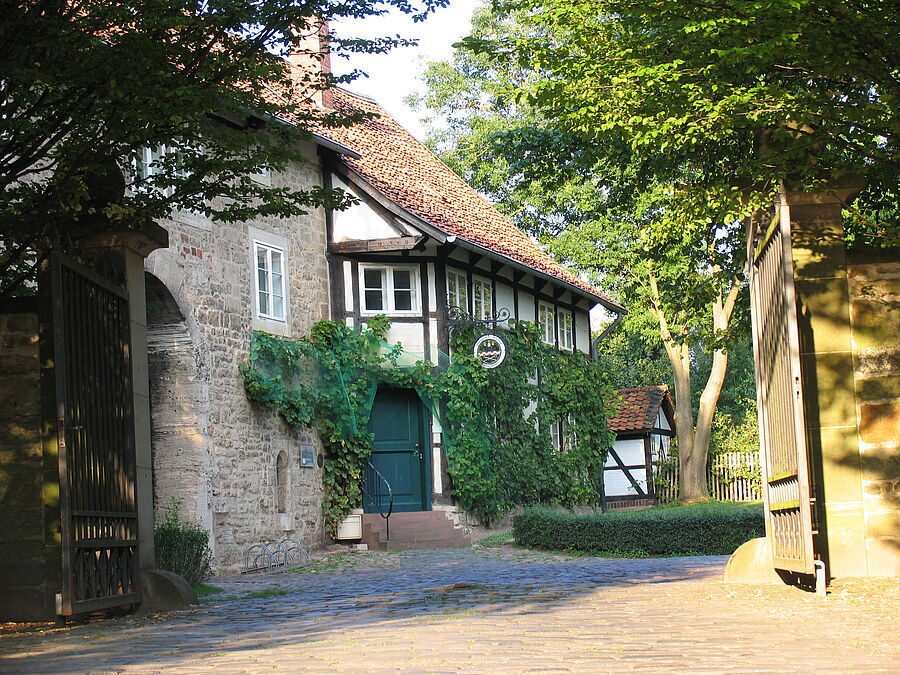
x=480, y=611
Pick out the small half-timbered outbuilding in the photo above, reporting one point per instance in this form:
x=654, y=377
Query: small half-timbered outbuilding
x=644, y=427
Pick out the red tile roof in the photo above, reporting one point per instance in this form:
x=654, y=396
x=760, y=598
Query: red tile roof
x=638, y=408
x=409, y=174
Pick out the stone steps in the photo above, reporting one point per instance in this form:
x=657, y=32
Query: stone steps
x=412, y=531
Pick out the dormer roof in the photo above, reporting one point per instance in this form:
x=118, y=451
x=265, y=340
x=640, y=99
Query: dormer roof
x=639, y=407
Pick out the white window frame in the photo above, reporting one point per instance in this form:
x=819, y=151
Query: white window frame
x=269, y=249
x=556, y=437
x=462, y=290
x=567, y=433
x=145, y=165
x=566, y=330
x=483, y=313
x=546, y=322
x=387, y=290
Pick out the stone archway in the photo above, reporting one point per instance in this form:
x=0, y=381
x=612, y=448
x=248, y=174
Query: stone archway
x=179, y=402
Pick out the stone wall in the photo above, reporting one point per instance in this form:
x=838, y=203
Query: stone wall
x=28, y=577
x=212, y=449
x=874, y=281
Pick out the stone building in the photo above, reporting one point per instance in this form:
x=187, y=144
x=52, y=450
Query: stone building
x=418, y=242
x=235, y=469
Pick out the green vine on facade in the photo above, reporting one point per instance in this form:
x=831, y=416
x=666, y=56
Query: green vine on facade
x=497, y=424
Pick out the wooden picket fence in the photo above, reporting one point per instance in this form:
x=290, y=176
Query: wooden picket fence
x=731, y=476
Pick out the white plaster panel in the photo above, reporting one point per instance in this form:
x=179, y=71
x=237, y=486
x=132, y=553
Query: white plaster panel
x=616, y=484
x=348, y=286
x=358, y=221
x=582, y=332
x=630, y=451
x=436, y=481
x=410, y=335
x=661, y=421
x=526, y=306
x=434, y=356
x=433, y=301
x=505, y=299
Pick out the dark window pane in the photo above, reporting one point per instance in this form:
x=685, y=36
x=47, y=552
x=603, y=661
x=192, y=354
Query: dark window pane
x=372, y=278
x=402, y=279
x=402, y=300
x=374, y=300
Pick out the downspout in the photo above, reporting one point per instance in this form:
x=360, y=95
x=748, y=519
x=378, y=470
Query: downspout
x=606, y=331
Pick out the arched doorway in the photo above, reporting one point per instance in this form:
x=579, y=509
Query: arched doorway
x=179, y=401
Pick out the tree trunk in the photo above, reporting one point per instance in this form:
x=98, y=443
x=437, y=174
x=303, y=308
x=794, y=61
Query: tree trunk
x=693, y=443
x=692, y=468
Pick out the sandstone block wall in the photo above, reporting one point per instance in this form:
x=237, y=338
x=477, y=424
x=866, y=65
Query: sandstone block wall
x=874, y=283
x=211, y=448
x=27, y=576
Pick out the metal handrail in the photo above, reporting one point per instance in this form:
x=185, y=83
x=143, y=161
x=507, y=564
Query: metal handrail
x=375, y=477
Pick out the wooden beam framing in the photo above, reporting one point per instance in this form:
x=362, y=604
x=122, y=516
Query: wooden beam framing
x=376, y=245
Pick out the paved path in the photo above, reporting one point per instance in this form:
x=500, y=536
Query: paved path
x=486, y=611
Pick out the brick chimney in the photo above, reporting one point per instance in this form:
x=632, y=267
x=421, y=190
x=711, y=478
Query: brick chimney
x=309, y=59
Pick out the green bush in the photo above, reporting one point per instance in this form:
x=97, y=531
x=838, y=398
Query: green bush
x=702, y=529
x=182, y=548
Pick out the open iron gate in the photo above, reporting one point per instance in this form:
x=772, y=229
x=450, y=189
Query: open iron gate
x=779, y=387
x=95, y=436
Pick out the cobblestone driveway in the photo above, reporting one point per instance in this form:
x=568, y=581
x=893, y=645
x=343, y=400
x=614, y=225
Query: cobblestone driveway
x=480, y=611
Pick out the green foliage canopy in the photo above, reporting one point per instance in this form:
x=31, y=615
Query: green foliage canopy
x=86, y=85
x=745, y=93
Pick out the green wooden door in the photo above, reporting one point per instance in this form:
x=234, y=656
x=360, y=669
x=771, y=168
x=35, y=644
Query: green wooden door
x=398, y=424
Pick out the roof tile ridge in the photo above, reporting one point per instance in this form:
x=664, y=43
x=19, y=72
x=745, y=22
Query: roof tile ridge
x=558, y=269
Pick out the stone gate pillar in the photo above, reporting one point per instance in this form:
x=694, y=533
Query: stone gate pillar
x=853, y=444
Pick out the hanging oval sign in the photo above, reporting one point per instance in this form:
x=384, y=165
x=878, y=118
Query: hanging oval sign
x=490, y=350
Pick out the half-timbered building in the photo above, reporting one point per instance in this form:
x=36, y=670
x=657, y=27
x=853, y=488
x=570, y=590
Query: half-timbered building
x=644, y=425
x=421, y=246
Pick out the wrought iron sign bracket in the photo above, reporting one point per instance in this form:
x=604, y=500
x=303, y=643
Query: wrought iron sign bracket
x=458, y=318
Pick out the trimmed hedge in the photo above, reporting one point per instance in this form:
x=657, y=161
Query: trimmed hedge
x=182, y=548
x=707, y=529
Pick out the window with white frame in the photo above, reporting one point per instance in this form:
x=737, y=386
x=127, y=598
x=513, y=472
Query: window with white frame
x=562, y=434
x=149, y=163
x=482, y=299
x=566, y=321
x=555, y=439
x=545, y=322
x=390, y=290
x=457, y=290
x=270, y=287
x=567, y=432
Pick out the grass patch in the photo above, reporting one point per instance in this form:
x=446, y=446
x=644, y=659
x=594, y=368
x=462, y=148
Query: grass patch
x=497, y=539
x=271, y=592
x=205, y=590
x=710, y=528
x=327, y=565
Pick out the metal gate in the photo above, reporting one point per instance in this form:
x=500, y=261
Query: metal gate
x=776, y=346
x=95, y=436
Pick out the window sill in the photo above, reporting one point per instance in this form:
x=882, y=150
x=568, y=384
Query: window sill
x=279, y=327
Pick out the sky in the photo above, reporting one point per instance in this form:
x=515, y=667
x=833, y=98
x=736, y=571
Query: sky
x=394, y=75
